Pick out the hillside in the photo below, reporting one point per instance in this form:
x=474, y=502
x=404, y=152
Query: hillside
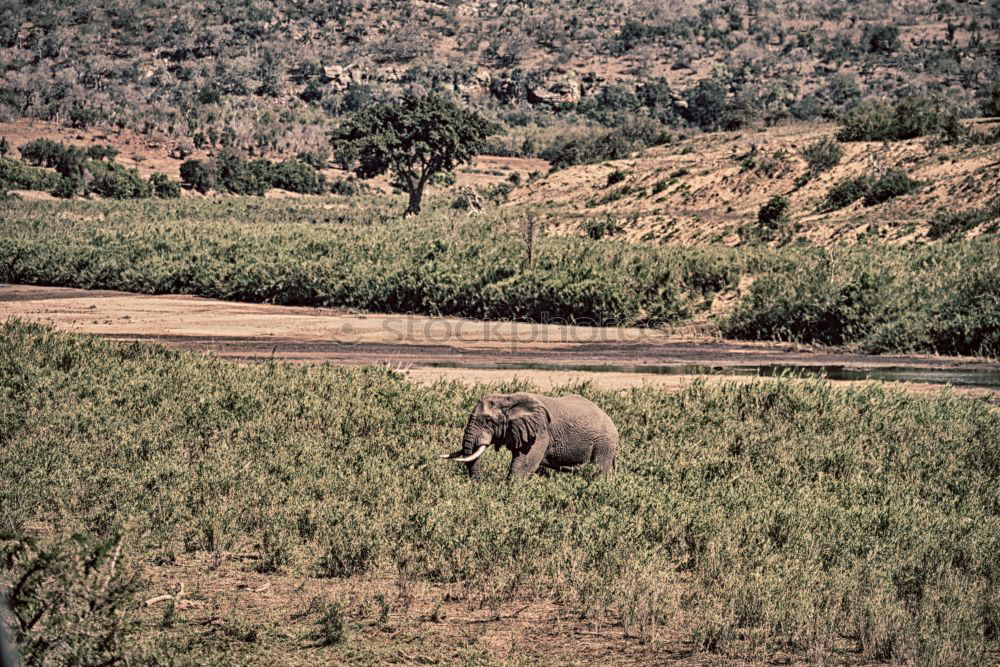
x=270, y=77
x=704, y=188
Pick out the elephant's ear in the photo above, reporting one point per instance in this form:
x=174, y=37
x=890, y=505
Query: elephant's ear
x=526, y=418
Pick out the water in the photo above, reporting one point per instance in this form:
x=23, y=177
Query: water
x=989, y=379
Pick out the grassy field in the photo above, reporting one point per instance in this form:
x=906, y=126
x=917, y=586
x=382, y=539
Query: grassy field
x=357, y=253
x=762, y=519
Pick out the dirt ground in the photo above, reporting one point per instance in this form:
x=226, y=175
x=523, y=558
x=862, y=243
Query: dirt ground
x=389, y=620
x=430, y=348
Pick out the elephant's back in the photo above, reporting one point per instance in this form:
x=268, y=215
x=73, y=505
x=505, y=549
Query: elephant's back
x=584, y=415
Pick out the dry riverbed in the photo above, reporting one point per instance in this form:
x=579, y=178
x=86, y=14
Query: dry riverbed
x=432, y=348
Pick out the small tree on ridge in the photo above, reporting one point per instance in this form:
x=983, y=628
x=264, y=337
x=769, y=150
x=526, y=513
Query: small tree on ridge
x=414, y=138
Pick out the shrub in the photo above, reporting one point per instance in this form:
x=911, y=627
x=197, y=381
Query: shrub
x=197, y=175
x=774, y=213
x=893, y=183
x=82, y=117
x=234, y=174
x=598, y=229
x=70, y=598
x=823, y=155
x=15, y=175
x=344, y=187
x=164, y=188
x=911, y=117
x=68, y=187
x=41, y=152
x=845, y=193
x=296, y=176
x=953, y=224
x=99, y=152
x=616, y=176
x=881, y=39
x=117, y=182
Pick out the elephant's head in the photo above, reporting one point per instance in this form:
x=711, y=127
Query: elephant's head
x=511, y=420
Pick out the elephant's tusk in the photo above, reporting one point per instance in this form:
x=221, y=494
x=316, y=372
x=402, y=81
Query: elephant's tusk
x=473, y=456
x=449, y=456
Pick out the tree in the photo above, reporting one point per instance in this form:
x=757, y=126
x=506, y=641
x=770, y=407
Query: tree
x=414, y=138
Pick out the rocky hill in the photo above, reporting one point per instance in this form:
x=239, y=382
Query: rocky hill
x=272, y=77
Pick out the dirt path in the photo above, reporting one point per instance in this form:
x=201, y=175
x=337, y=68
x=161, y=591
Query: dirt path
x=433, y=348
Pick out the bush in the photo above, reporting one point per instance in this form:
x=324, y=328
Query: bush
x=598, y=229
x=953, y=224
x=774, y=213
x=162, y=187
x=296, y=176
x=82, y=117
x=15, y=175
x=196, y=174
x=70, y=598
x=617, y=176
x=234, y=174
x=893, y=183
x=99, y=152
x=115, y=182
x=634, y=134
x=845, y=193
x=823, y=155
x=881, y=39
x=911, y=117
x=41, y=152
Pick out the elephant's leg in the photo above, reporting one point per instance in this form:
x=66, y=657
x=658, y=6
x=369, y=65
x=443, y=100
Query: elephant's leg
x=605, y=460
x=527, y=462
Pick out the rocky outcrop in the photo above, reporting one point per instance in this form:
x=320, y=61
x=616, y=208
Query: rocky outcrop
x=555, y=88
x=339, y=77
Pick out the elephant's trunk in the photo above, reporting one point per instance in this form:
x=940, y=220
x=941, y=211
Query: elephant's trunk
x=474, y=443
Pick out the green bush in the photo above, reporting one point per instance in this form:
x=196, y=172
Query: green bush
x=846, y=192
x=196, y=174
x=823, y=155
x=953, y=224
x=15, y=175
x=117, y=182
x=615, y=177
x=911, y=117
x=597, y=229
x=164, y=188
x=71, y=599
x=892, y=183
x=774, y=213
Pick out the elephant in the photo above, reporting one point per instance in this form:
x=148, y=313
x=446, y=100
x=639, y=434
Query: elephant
x=541, y=432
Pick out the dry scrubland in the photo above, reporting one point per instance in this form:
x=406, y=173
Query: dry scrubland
x=746, y=520
x=355, y=252
x=709, y=188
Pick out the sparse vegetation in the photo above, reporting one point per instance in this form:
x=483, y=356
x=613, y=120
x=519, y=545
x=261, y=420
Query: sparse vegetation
x=791, y=516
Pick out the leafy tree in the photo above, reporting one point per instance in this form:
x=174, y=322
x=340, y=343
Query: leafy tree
x=706, y=104
x=196, y=174
x=414, y=138
x=162, y=187
x=4, y=147
x=881, y=39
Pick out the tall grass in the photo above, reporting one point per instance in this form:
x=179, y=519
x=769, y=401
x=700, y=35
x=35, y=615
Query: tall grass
x=794, y=516
x=942, y=299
